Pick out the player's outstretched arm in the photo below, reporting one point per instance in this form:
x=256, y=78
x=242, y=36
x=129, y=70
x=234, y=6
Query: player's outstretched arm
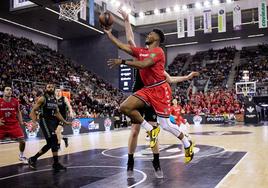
x=177, y=79
x=118, y=43
x=69, y=107
x=128, y=28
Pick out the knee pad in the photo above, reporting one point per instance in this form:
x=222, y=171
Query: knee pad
x=166, y=124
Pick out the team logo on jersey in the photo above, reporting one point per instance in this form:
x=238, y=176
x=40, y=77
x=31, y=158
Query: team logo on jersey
x=153, y=55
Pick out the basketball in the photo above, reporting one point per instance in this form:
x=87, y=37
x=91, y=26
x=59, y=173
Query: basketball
x=106, y=19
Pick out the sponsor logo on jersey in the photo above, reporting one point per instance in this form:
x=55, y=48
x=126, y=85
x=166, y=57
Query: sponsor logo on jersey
x=144, y=55
x=153, y=55
x=7, y=109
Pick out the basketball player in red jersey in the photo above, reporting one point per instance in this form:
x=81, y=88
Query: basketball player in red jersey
x=148, y=113
x=10, y=121
x=156, y=92
x=176, y=112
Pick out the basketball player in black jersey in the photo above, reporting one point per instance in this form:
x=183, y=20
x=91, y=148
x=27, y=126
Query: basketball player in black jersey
x=49, y=117
x=64, y=108
x=148, y=112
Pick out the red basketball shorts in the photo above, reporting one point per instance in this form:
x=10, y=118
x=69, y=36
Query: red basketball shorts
x=11, y=131
x=159, y=97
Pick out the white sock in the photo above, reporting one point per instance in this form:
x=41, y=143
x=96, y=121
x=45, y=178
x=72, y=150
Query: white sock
x=185, y=142
x=21, y=154
x=147, y=126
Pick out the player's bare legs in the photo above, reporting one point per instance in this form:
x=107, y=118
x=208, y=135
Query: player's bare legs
x=22, y=148
x=133, y=138
x=129, y=108
x=132, y=145
x=58, y=133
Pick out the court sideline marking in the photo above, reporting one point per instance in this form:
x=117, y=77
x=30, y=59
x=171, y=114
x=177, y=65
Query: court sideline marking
x=74, y=167
x=230, y=172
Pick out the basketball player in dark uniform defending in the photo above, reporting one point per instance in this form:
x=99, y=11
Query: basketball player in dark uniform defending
x=48, y=123
x=64, y=108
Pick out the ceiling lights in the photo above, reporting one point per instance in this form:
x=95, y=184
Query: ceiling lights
x=207, y=4
x=168, y=10
x=156, y=11
x=184, y=7
x=198, y=5
x=215, y=2
x=176, y=8
x=117, y=4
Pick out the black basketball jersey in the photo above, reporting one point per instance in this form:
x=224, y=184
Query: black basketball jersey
x=49, y=108
x=62, y=107
x=138, y=84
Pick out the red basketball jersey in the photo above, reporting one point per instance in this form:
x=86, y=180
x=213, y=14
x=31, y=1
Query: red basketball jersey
x=8, y=111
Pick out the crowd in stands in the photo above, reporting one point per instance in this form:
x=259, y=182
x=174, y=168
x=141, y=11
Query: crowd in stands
x=214, y=66
x=214, y=102
x=178, y=63
x=28, y=66
x=255, y=60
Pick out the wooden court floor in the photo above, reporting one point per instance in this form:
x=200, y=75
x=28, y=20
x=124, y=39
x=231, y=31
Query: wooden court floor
x=237, y=155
